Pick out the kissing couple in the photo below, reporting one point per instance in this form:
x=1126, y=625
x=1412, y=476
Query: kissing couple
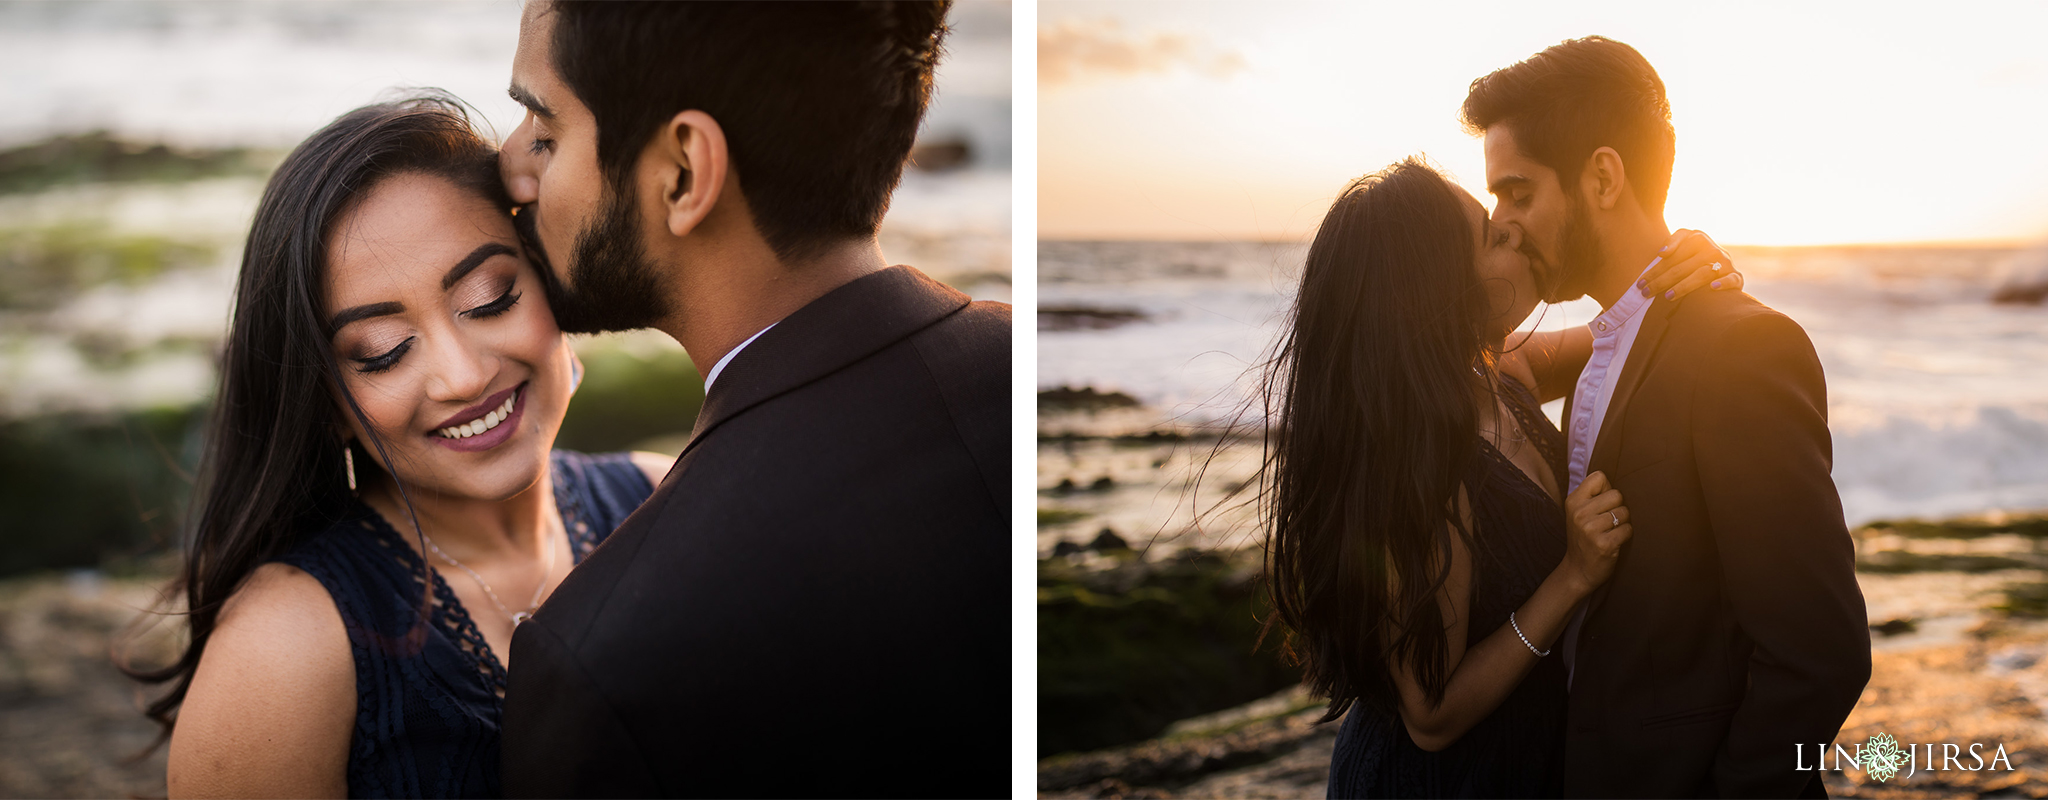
x=1659, y=600
x=397, y=587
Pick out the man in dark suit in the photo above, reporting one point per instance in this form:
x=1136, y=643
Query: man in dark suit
x=814, y=602
x=1733, y=630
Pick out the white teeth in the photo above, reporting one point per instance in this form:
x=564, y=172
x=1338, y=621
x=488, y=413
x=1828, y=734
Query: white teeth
x=481, y=424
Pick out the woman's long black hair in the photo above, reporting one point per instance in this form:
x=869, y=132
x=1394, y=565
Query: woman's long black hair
x=272, y=472
x=1372, y=406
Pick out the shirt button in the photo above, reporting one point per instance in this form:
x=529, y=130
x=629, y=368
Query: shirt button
x=1603, y=326
x=1582, y=424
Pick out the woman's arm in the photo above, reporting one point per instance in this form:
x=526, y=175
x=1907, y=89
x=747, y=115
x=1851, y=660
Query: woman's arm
x=1484, y=675
x=1551, y=359
x=654, y=465
x=273, y=702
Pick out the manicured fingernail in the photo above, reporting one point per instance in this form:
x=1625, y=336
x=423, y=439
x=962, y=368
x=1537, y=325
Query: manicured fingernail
x=1671, y=294
x=1717, y=284
x=1643, y=283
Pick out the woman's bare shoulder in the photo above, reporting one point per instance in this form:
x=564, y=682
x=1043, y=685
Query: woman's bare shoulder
x=275, y=686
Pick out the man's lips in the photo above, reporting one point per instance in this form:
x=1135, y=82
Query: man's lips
x=477, y=412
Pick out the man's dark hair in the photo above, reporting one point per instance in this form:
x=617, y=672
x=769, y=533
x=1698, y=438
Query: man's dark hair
x=819, y=101
x=1576, y=97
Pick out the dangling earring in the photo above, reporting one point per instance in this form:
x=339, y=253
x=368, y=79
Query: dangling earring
x=348, y=459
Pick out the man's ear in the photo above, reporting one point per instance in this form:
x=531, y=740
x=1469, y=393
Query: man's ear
x=1604, y=180
x=690, y=161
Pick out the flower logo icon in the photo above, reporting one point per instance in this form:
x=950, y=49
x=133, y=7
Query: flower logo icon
x=1882, y=757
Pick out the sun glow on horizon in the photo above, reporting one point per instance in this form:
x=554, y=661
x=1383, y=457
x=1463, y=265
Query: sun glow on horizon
x=1801, y=125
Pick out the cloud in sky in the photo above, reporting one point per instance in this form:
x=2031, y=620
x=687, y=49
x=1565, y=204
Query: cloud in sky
x=1074, y=50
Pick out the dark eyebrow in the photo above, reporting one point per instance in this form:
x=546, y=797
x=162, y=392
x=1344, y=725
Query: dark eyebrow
x=469, y=262
x=363, y=312
x=1496, y=187
x=482, y=253
x=525, y=98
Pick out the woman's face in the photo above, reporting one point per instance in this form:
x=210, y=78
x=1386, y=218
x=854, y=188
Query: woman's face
x=1502, y=269
x=443, y=334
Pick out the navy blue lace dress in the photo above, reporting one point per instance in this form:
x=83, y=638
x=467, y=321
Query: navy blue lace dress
x=429, y=696
x=1518, y=750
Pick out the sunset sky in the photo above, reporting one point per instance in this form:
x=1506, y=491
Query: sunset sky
x=1813, y=124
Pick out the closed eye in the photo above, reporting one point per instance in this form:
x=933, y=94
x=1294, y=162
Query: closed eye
x=389, y=359
x=504, y=303
x=539, y=146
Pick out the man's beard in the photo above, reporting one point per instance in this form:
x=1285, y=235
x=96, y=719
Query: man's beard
x=614, y=285
x=1578, y=256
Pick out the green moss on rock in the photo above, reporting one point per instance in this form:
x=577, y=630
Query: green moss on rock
x=1125, y=652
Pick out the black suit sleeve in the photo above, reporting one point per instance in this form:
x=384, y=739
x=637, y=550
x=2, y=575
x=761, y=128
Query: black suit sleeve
x=571, y=743
x=1787, y=564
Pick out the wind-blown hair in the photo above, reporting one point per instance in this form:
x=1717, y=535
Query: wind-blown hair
x=1371, y=403
x=1576, y=97
x=272, y=472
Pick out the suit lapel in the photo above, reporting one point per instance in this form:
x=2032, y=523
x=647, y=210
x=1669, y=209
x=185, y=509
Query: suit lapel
x=847, y=324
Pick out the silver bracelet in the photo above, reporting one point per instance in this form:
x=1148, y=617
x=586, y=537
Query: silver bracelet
x=1525, y=639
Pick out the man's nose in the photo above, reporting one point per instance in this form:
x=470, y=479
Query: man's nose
x=518, y=167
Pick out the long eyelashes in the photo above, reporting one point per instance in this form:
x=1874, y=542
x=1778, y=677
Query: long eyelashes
x=539, y=145
x=376, y=364
x=504, y=303
x=389, y=359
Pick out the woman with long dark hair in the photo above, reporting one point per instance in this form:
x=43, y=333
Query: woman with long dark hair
x=380, y=502
x=1421, y=554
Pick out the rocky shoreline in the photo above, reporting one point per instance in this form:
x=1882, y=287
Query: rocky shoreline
x=1959, y=617
x=71, y=724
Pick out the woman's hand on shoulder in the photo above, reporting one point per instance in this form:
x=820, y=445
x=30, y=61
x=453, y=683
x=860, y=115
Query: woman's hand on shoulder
x=1691, y=261
x=654, y=465
x=272, y=704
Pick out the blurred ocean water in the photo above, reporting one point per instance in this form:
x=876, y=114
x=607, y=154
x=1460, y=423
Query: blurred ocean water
x=1937, y=396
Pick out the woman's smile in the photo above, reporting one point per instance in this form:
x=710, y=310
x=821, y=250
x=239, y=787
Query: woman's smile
x=485, y=425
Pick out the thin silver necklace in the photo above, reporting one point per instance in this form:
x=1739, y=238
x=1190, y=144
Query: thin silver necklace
x=531, y=606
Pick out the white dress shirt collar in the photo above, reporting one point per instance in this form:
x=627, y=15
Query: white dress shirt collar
x=720, y=366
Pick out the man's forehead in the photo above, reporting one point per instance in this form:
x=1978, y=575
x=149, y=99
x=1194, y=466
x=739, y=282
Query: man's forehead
x=533, y=78
x=536, y=39
x=1507, y=165
x=1501, y=151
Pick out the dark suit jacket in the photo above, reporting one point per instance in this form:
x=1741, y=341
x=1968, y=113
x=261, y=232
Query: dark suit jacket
x=815, y=602
x=1733, y=627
